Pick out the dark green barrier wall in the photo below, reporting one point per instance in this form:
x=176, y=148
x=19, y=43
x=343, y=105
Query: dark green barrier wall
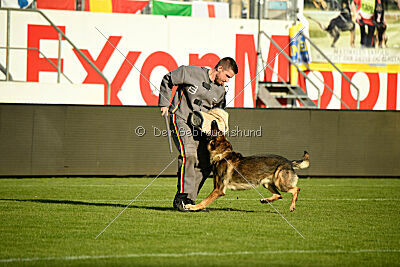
x=99, y=140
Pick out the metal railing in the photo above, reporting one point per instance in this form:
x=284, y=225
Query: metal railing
x=61, y=35
x=319, y=79
x=288, y=86
x=297, y=67
x=40, y=52
x=333, y=64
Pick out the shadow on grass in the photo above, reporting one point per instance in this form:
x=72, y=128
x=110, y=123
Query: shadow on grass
x=73, y=202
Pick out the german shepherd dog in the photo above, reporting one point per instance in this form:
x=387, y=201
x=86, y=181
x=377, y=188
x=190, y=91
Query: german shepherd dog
x=343, y=22
x=233, y=171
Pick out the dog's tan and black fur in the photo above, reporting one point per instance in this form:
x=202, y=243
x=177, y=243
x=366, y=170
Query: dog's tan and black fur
x=233, y=171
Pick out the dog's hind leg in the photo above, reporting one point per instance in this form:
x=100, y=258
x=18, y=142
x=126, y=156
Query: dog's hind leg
x=295, y=192
x=276, y=195
x=286, y=181
x=335, y=33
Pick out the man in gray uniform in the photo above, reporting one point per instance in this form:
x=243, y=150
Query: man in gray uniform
x=199, y=89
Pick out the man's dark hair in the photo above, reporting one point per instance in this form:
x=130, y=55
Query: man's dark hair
x=228, y=63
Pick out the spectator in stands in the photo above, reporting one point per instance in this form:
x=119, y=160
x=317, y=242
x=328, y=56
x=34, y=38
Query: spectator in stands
x=364, y=13
x=380, y=23
x=80, y=5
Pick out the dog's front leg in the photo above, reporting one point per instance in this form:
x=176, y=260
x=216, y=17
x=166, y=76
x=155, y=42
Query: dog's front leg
x=216, y=193
x=218, y=188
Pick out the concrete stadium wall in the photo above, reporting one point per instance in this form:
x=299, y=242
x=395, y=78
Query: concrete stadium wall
x=54, y=140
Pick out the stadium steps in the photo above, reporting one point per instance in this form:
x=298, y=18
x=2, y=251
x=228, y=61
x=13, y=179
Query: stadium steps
x=276, y=94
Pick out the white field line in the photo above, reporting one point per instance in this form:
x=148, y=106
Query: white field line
x=96, y=185
x=350, y=185
x=287, y=199
x=221, y=199
x=173, y=186
x=192, y=254
x=350, y=199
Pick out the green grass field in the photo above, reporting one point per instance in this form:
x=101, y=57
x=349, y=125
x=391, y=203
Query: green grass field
x=54, y=221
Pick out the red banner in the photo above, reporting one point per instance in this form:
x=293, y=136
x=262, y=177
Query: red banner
x=56, y=4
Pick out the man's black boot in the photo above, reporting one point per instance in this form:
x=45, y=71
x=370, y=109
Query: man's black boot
x=180, y=201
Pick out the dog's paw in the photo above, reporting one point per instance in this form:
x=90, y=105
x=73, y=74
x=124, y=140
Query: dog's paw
x=270, y=199
x=190, y=207
x=292, y=208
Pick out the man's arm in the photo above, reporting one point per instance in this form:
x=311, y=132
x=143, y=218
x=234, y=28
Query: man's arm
x=171, y=79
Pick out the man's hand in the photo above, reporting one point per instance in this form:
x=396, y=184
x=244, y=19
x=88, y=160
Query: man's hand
x=164, y=111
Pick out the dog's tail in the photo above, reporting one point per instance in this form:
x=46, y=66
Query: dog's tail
x=303, y=163
x=316, y=21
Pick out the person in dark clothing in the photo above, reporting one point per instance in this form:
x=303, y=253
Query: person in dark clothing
x=199, y=90
x=364, y=10
x=380, y=23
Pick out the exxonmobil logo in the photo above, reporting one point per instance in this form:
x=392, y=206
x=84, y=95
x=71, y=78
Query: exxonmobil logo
x=245, y=55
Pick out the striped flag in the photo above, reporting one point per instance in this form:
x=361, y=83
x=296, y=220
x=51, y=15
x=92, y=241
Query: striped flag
x=115, y=6
x=194, y=9
x=171, y=8
x=107, y=6
x=210, y=9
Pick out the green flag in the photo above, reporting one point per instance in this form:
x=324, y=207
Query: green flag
x=172, y=8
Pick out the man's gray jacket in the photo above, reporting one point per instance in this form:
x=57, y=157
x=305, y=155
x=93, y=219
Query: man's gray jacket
x=196, y=92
